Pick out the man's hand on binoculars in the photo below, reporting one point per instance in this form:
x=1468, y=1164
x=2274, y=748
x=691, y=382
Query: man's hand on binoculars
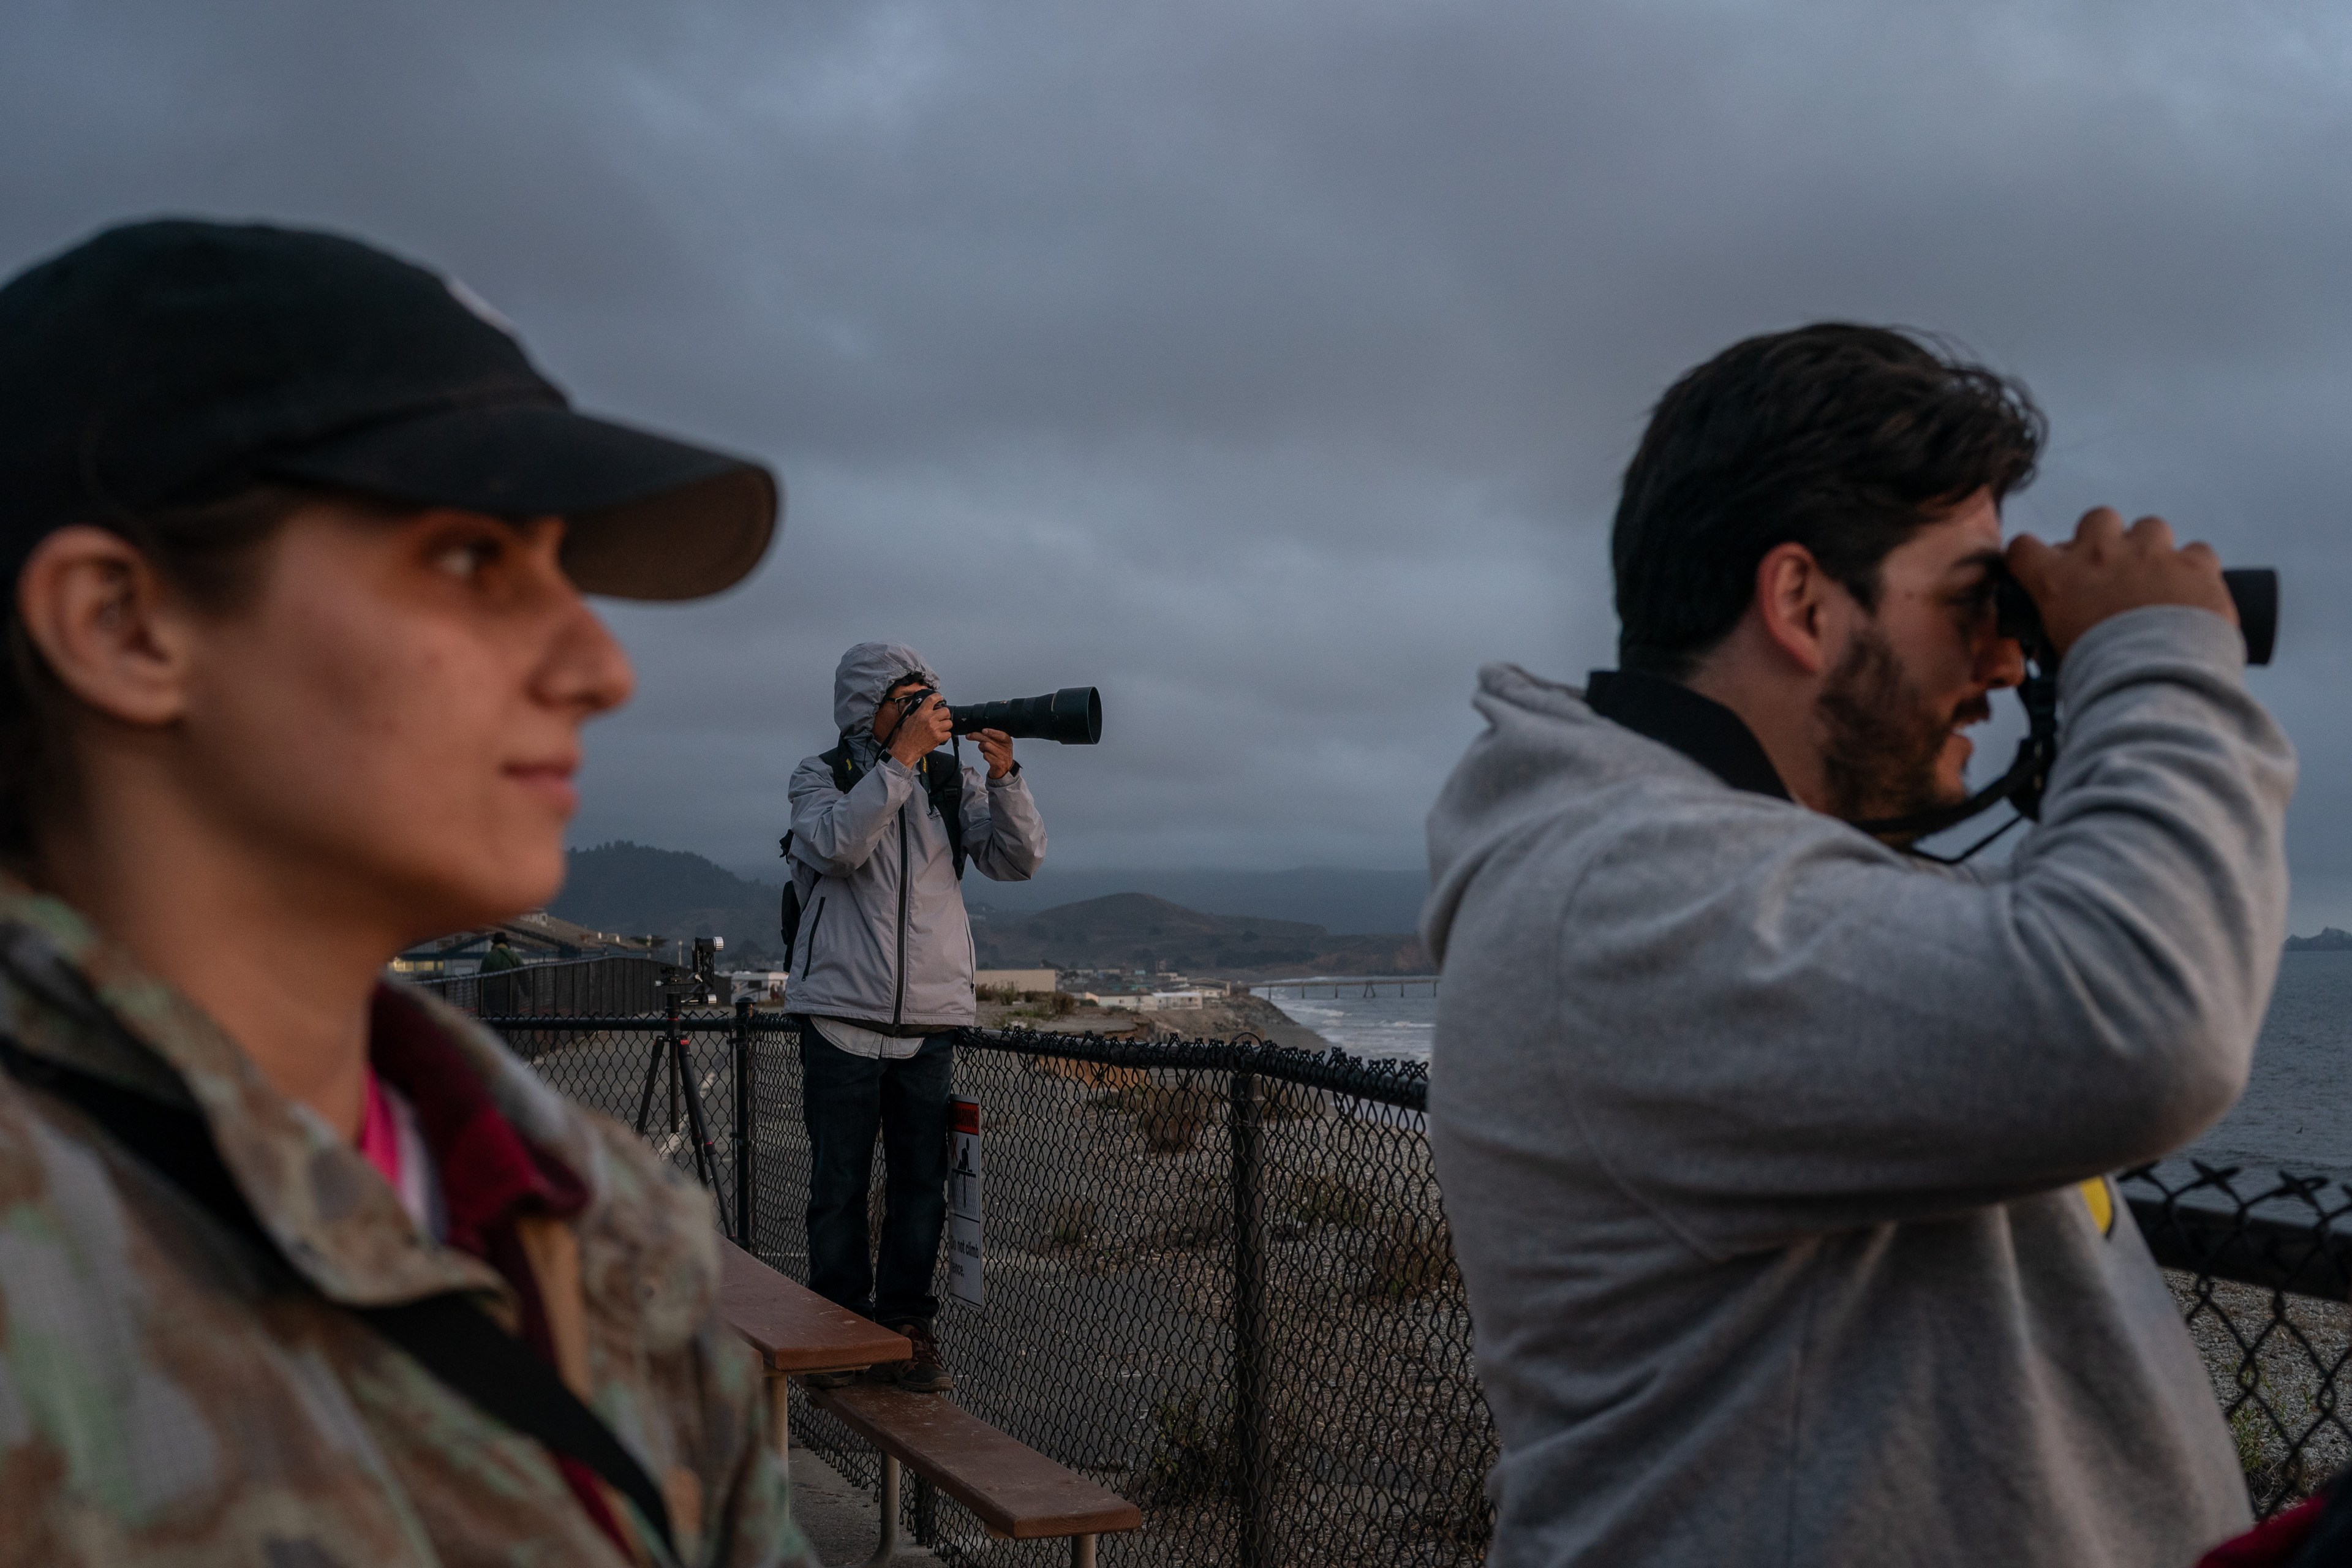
x=924, y=731
x=2106, y=569
x=996, y=746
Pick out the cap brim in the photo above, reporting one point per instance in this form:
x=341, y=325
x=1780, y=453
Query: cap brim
x=650, y=518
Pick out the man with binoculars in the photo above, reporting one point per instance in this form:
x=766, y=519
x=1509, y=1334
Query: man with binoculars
x=1777, y=1154
x=882, y=960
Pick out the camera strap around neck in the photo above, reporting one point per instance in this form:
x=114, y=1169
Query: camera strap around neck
x=448, y=1335
x=942, y=776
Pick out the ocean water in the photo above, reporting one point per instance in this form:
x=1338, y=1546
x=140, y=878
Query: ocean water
x=2297, y=1109
x=1385, y=1025
x=2296, y=1113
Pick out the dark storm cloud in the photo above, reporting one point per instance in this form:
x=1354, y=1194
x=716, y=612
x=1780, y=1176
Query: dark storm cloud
x=1269, y=366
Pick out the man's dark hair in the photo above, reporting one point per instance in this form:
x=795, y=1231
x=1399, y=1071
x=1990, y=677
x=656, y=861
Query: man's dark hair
x=1845, y=440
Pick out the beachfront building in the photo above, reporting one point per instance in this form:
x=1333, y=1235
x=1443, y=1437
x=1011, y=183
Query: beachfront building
x=1021, y=981
x=536, y=937
x=1146, y=1001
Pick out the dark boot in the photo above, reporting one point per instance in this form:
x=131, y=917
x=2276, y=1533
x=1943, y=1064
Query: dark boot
x=924, y=1373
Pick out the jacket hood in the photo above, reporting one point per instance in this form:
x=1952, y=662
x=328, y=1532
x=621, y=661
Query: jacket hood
x=1546, y=761
x=864, y=673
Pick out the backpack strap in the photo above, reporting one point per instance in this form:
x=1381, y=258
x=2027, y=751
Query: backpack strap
x=448, y=1335
x=788, y=906
x=844, y=763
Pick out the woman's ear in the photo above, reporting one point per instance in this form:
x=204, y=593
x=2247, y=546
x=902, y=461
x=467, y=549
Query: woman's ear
x=94, y=607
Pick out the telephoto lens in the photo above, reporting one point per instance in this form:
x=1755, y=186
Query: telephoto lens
x=2253, y=589
x=1072, y=716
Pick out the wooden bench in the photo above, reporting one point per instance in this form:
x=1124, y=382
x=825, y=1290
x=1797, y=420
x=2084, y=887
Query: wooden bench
x=1017, y=1492
x=795, y=1330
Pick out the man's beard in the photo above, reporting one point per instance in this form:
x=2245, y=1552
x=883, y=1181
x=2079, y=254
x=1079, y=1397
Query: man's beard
x=1880, y=744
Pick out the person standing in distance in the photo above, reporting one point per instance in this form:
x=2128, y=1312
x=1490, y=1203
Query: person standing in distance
x=298, y=1264
x=1777, y=1158
x=882, y=825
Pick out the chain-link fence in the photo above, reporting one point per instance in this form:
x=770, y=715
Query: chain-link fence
x=685, y=1080
x=2262, y=1266
x=1219, y=1281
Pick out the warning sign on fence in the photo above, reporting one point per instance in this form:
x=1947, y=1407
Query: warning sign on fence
x=963, y=1202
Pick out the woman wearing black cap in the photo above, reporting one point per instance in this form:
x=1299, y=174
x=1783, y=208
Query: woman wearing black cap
x=297, y=1266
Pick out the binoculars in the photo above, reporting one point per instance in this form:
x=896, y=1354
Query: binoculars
x=2253, y=589
x=1072, y=716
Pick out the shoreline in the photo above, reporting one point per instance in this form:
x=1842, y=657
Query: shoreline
x=1217, y=1018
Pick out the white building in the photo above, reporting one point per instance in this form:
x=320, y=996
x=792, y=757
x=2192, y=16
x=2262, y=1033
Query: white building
x=1043, y=981
x=760, y=984
x=1146, y=1001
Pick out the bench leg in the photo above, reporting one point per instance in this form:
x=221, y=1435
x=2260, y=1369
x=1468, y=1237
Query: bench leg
x=888, y=1547
x=779, y=1415
x=1082, y=1552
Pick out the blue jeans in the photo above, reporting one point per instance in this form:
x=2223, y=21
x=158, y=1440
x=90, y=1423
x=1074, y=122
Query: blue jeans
x=845, y=1099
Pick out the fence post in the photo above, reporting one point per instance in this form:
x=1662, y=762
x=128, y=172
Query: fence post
x=745, y=1138
x=1252, y=1487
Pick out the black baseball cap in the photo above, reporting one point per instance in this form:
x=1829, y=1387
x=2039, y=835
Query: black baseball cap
x=170, y=361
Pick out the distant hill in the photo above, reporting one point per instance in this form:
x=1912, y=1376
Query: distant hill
x=2329, y=940
x=640, y=891
x=1136, y=931
x=1341, y=900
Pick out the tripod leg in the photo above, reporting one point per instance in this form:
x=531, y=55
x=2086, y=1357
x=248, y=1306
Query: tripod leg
x=705, y=1158
x=653, y=1076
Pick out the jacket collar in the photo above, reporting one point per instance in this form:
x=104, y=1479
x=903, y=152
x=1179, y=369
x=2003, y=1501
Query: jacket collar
x=70, y=995
x=1700, y=727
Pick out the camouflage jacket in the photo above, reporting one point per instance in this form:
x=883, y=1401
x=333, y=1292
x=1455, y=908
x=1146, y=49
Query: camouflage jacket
x=167, y=1396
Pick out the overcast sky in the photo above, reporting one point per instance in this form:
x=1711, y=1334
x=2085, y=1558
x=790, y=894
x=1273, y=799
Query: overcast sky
x=1270, y=365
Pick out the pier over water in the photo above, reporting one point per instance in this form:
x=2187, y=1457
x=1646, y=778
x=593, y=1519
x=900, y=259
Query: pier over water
x=1362, y=987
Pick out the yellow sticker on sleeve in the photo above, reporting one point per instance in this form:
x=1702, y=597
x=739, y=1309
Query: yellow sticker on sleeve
x=2100, y=1198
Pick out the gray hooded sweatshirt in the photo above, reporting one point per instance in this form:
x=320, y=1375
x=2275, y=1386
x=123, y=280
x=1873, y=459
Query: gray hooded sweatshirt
x=884, y=941
x=1776, y=1160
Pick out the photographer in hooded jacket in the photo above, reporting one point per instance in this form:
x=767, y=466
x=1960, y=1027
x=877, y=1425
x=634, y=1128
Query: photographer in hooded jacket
x=882, y=962
x=1776, y=1155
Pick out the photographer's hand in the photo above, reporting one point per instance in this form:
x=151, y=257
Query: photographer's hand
x=924, y=731
x=996, y=747
x=2107, y=569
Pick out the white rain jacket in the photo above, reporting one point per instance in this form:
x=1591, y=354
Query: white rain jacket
x=884, y=941
x=1776, y=1160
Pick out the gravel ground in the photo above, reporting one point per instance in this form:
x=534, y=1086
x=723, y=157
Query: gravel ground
x=2288, y=1439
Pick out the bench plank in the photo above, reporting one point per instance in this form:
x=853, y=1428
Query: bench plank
x=1015, y=1490
x=792, y=1327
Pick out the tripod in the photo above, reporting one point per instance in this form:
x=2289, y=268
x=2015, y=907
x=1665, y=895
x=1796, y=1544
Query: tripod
x=670, y=1049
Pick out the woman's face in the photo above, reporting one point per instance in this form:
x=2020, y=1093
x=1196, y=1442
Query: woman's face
x=396, y=713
